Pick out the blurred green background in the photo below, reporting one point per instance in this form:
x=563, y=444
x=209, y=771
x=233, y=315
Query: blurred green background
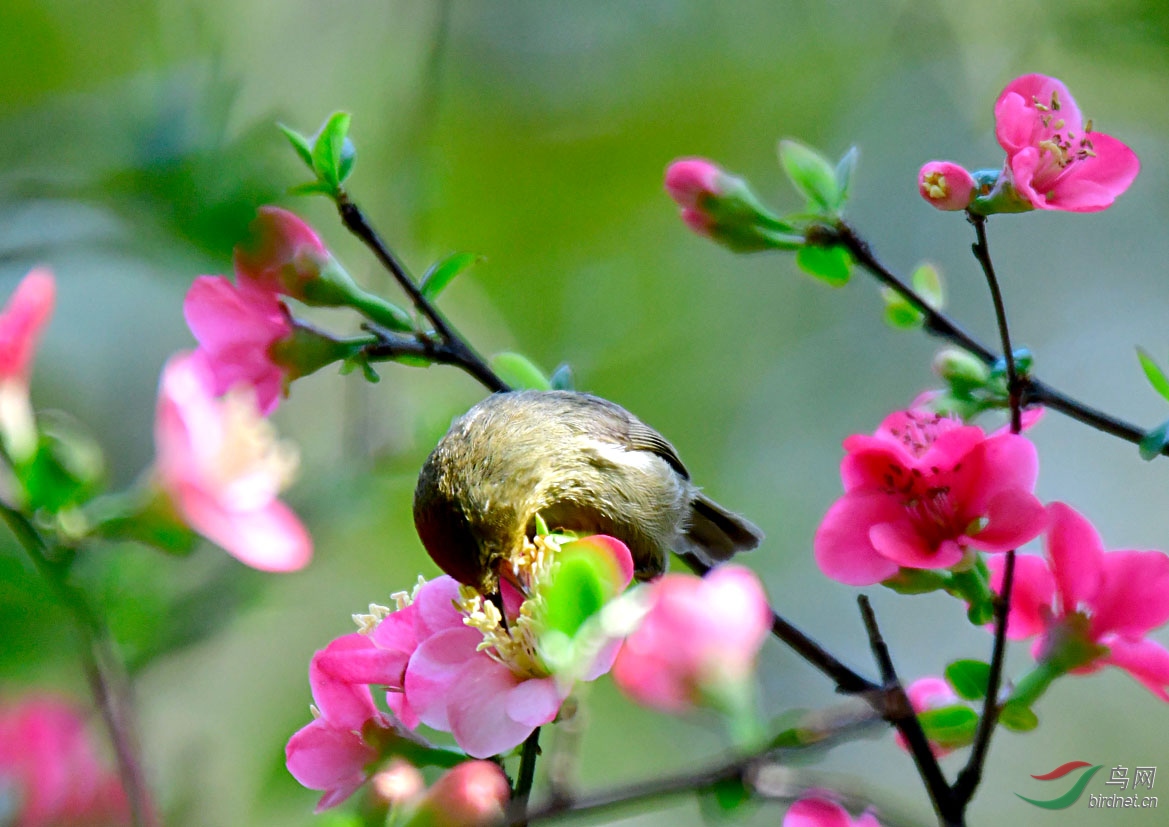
x=138, y=138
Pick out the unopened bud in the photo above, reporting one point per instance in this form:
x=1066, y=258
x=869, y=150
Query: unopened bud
x=946, y=185
x=473, y=794
x=961, y=369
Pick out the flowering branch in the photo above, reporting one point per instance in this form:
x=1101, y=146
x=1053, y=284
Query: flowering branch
x=454, y=349
x=100, y=664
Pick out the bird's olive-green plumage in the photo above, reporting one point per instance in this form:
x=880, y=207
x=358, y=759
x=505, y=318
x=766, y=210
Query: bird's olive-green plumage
x=583, y=464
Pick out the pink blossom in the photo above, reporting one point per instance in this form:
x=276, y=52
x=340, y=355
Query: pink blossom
x=21, y=322
x=472, y=794
x=1090, y=607
x=219, y=463
x=1055, y=160
x=701, y=636
x=236, y=328
x=334, y=752
x=925, y=694
x=282, y=256
x=922, y=491
x=50, y=769
x=690, y=181
x=946, y=185
x=818, y=811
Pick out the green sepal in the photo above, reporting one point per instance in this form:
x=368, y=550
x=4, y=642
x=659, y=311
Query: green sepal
x=66, y=468
x=562, y=378
x=917, y=581
x=144, y=515
x=1153, y=443
x=832, y=265
x=1018, y=717
x=519, y=372
x=300, y=143
x=969, y=678
x=949, y=726
x=443, y=272
x=725, y=799
x=332, y=152
x=813, y=175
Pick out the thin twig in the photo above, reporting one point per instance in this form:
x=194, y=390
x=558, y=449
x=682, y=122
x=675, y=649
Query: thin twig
x=103, y=670
x=518, y=807
x=982, y=253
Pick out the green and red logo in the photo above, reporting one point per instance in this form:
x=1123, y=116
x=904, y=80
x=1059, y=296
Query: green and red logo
x=1072, y=795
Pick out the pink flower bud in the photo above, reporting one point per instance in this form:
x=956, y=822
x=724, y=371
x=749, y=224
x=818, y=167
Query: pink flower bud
x=283, y=255
x=21, y=322
x=700, y=637
x=925, y=694
x=473, y=794
x=946, y=185
x=691, y=180
x=819, y=811
x=397, y=783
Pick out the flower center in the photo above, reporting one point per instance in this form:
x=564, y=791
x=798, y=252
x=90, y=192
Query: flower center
x=250, y=455
x=935, y=185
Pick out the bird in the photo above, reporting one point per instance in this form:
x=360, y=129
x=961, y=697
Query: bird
x=578, y=462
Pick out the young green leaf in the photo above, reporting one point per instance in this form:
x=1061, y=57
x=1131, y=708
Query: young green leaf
x=969, y=678
x=812, y=174
x=519, y=372
x=1153, y=373
x=1018, y=717
x=300, y=143
x=927, y=282
x=831, y=265
x=443, y=272
x=899, y=313
x=1154, y=442
x=328, y=149
x=562, y=378
x=844, y=172
x=950, y=726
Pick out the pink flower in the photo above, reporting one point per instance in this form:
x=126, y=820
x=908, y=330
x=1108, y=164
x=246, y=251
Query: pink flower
x=222, y=468
x=817, y=811
x=1055, y=161
x=282, y=256
x=21, y=322
x=236, y=328
x=922, y=491
x=50, y=770
x=699, y=639
x=691, y=182
x=334, y=752
x=449, y=663
x=926, y=694
x=472, y=794
x=1090, y=607
x=946, y=185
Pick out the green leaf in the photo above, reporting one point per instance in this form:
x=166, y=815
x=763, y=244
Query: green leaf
x=812, y=174
x=328, y=149
x=443, y=272
x=578, y=591
x=899, y=313
x=1018, y=717
x=300, y=143
x=927, y=283
x=1154, y=374
x=1154, y=442
x=563, y=378
x=950, y=726
x=832, y=265
x=969, y=678
x=844, y=172
x=728, y=796
x=519, y=372
x=312, y=188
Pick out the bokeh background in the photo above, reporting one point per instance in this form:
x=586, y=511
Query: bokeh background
x=138, y=138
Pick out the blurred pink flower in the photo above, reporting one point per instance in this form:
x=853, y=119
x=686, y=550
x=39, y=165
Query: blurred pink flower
x=221, y=466
x=1055, y=161
x=925, y=694
x=1090, y=607
x=946, y=185
x=818, y=811
x=691, y=182
x=335, y=751
x=921, y=491
x=282, y=256
x=21, y=322
x=471, y=794
x=700, y=637
x=448, y=662
x=236, y=328
x=50, y=770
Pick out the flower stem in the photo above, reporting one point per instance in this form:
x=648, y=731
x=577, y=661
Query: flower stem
x=527, y=776
x=103, y=669
x=1014, y=387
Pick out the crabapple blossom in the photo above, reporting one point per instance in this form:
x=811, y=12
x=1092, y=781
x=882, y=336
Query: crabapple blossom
x=50, y=770
x=818, y=811
x=221, y=467
x=697, y=642
x=283, y=255
x=946, y=185
x=236, y=327
x=1089, y=607
x=922, y=492
x=1055, y=161
x=333, y=753
x=23, y=318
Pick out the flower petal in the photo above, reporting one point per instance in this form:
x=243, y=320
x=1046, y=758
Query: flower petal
x=1145, y=660
x=842, y=546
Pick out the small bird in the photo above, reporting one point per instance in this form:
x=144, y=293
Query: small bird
x=582, y=464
